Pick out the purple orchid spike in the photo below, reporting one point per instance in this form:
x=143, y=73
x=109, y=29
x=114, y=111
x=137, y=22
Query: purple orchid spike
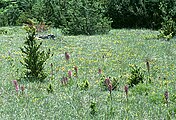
x=16, y=85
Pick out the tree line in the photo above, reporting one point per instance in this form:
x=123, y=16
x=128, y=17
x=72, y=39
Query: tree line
x=88, y=16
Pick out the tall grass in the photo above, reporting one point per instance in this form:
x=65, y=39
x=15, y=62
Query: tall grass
x=113, y=54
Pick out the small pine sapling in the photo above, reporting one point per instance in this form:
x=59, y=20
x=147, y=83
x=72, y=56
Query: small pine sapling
x=33, y=58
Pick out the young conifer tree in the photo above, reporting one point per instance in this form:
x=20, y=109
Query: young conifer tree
x=33, y=57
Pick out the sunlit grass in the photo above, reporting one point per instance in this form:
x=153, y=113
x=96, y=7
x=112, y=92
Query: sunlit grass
x=113, y=54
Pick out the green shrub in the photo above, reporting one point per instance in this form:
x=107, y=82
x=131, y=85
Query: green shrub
x=138, y=13
x=50, y=88
x=85, y=17
x=9, y=14
x=33, y=57
x=127, y=13
x=168, y=26
x=136, y=77
x=3, y=31
x=93, y=108
x=84, y=85
x=168, y=29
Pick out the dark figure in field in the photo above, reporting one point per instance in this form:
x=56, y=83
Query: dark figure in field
x=50, y=36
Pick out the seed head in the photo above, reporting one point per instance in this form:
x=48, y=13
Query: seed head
x=16, y=85
x=69, y=73
x=126, y=90
x=51, y=69
x=148, y=66
x=76, y=70
x=67, y=56
x=166, y=95
x=22, y=88
x=107, y=81
x=99, y=71
x=110, y=87
x=51, y=65
x=64, y=80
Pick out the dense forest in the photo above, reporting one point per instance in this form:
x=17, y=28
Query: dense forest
x=88, y=16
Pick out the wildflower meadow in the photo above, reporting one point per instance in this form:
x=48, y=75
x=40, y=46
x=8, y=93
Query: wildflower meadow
x=127, y=74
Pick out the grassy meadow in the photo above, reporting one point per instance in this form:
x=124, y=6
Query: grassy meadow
x=83, y=97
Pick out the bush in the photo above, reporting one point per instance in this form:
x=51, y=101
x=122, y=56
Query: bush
x=31, y=9
x=136, y=77
x=84, y=85
x=93, y=108
x=138, y=13
x=126, y=13
x=168, y=29
x=85, y=17
x=34, y=59
x=9, y=14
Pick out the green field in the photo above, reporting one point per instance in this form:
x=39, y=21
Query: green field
x=113, y=53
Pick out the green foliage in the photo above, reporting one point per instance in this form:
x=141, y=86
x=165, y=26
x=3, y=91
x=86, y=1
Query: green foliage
x=31, y=9
x=26, y=5
x=50, y=89
x=121, y=47
x=102, y=84
x=93, y=108
x=76, y=17
x=4, y=3
x=126, y=13
x=85, y=17
x=136, y=77
x=23, y=18
x=138, y=13
x=172, y=110
x=3, y=31
x=88, y=16
x=48, y=9
x=115, y=83
x=156, y=98
x=168, y=29
x=84, y=85
x=141, y=89
x=33, y=57
x=9, y=14
x=113, y=80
